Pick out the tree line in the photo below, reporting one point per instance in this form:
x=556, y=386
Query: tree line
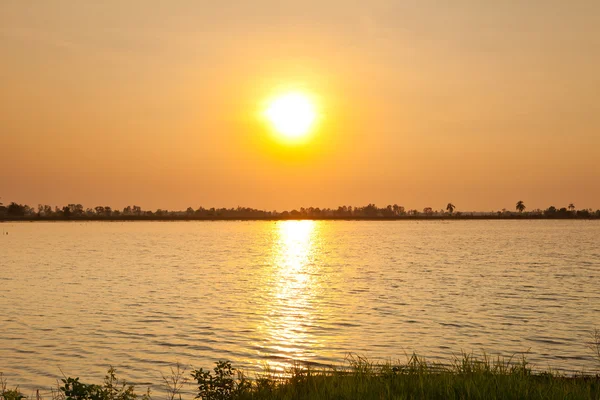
x=15, y=211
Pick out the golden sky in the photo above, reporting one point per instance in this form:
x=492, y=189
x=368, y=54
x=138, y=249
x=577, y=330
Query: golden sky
x=155, y=103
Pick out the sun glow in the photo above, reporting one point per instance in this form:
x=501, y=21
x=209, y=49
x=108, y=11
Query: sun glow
x=291, y=114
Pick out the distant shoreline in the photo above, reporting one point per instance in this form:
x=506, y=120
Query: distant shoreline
x=370, y=212
x=280, y=218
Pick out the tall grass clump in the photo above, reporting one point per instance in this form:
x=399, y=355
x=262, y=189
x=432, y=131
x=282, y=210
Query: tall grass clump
x=594, y=345
x=175, y=382
x=466, y=377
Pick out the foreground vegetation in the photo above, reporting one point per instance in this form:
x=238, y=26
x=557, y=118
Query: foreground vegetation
x=466, y=378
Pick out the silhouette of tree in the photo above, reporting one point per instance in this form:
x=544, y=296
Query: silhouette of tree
x=389, y=210
x=16, y=210
x=371, y=210
x=66, y=211
x=583, y=214
x=77, y=211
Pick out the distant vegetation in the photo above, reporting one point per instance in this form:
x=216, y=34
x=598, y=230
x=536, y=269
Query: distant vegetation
x=466, y=378
x=14, y=211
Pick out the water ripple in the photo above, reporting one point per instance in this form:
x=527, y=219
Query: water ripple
x=142, y=296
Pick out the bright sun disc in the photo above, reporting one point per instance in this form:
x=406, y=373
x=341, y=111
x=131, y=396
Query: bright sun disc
x=291, y=114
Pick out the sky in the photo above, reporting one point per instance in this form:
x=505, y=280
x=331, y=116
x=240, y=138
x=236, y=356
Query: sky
x=420, y=103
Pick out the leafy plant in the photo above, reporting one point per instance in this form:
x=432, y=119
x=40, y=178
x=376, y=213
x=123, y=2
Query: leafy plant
x=221, y=385
x=9, y=394
x=113, y=389
x=75, y=390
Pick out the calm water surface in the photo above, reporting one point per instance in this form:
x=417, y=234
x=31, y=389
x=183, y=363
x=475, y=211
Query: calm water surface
x=141, y=296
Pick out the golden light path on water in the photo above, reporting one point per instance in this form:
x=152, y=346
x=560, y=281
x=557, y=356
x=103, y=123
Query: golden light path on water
x=294, y=288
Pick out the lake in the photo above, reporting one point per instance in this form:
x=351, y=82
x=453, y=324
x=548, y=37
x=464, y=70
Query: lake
x=142, y=296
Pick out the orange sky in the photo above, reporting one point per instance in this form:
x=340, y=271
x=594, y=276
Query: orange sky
x=154, y=103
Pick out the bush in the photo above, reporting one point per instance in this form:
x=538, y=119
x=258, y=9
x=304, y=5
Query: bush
x=113, y=389
x=221, y=386
x=9, y=394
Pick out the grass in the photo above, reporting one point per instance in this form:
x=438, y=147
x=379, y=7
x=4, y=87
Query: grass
x=467, y=377
x=594, y=345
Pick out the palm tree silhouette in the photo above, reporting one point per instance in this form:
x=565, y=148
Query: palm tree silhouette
x=520, y=206
x=450, y=208
x=571, y=207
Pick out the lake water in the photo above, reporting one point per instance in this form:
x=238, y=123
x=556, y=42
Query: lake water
x=142, y=296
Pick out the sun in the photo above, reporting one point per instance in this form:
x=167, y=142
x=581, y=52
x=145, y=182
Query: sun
x=291, y=114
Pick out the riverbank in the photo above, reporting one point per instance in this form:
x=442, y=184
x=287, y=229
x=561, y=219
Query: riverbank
x=77, y=212
x=466, y=378
x=463, y=217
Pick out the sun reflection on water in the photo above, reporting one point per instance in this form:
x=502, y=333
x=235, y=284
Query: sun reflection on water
x=295, y=284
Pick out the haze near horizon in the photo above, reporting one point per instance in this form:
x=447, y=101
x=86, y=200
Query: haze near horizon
x=163, y=104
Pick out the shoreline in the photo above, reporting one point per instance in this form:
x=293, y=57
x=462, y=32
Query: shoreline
x=466, y=377
x=320, y=218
